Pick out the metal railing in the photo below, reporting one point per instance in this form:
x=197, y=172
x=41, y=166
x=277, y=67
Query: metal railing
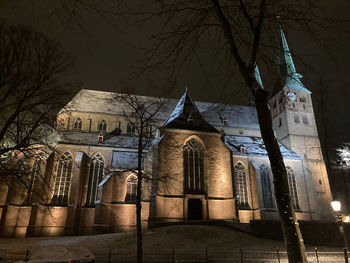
x=214, y=256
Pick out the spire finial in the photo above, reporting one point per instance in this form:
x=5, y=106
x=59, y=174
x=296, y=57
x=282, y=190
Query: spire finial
x=293, y=79
x=291, y=71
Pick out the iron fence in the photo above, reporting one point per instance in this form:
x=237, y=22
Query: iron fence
x=199, y=256
x=214, y=256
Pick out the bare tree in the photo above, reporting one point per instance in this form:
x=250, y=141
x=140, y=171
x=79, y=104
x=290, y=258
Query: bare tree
x=33, y=84
x=247, y=31
x=143, y=123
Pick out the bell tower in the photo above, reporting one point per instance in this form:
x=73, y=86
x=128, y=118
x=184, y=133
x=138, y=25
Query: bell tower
x=295, y=126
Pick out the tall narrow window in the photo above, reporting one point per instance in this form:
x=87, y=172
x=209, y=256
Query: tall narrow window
x=64, y=173
x=296, y=119
x=77, y=124
x=305, y=120
x=130, y=128
x=266, y=187
x=95, y=177
x=102, y=126
x=131, y=189
x=193, y=167
x=293, y=187
x=302, y=99
x=240, y=175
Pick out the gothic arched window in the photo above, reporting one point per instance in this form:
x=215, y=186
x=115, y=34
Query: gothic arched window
x=102, y=126
x=131, y=189
x=95, y=177
x=240, y=175
x=293, y=187
x=193, y=167
x=64, y=173
x=77, y=124
x=130, y=129
x=268, y=199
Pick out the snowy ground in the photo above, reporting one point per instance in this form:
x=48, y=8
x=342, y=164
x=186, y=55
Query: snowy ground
x=185, y=237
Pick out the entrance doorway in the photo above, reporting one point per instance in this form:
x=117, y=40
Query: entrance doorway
x=195, y=209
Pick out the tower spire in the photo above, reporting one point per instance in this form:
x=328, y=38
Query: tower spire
x=293, y=79
x=257, y=76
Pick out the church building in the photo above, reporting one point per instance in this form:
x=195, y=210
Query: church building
x=207, y=161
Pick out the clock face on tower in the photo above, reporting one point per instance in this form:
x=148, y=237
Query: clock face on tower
x=291, y=96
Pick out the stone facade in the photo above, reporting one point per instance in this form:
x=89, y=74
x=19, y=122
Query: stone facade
x=207, y=161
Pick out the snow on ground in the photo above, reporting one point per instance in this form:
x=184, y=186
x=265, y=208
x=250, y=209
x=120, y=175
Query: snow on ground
x=184, y=237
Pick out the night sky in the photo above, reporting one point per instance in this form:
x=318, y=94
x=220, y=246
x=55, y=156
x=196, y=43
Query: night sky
x=105, y=56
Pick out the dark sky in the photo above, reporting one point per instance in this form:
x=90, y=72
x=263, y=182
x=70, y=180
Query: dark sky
x=105, y=57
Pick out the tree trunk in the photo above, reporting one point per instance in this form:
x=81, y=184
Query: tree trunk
x=138, y=200
x=290, y=227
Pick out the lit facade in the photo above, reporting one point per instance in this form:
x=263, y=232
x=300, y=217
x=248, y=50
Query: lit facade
x=207, y=162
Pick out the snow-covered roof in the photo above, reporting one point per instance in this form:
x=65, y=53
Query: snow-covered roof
x=93, y=101
x=85, y=138
x=254, y=146
x=125, y=160
x=187, y=116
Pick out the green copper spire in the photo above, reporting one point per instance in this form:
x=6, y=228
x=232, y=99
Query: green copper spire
x=293, y=79
x=257, y=76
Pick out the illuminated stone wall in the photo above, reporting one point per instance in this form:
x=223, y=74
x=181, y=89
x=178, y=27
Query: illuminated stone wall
x=171, y=201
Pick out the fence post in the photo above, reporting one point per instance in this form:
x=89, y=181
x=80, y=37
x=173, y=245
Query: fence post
x=278, y=255
x=206, y=255
x=241, y=254
x=109, y=255
x=173, y=256
x=316, y=253
x=27, y=257
x=346, y=255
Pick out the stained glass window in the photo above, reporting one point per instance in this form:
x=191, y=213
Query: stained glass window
x=63, y=178
x=131, y=189
x=95, y=177
x=240, y=175
x=268, y=199
x=293, y=187
x=193, y=167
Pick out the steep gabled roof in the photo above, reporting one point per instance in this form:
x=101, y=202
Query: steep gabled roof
x=254, y=146
x=187, y=116
x=103, y=102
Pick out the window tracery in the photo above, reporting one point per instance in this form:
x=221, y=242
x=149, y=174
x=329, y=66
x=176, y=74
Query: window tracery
x=131, y=189
x=293, y=187
x=102, y=126
x=63, y=178
x=193, y=167
x=95, y=177
x=241, y=187
x=268, y=199
x=77, y=124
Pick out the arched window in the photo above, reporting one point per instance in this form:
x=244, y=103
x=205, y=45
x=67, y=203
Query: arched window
x=193, y=167
x=102, y=126
x=240, y=174
x=131, y=189
x=293, y=187
x=130, y=129
x=77, y=124
x=64, y=173
x=268, y=199
x=95, y=177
